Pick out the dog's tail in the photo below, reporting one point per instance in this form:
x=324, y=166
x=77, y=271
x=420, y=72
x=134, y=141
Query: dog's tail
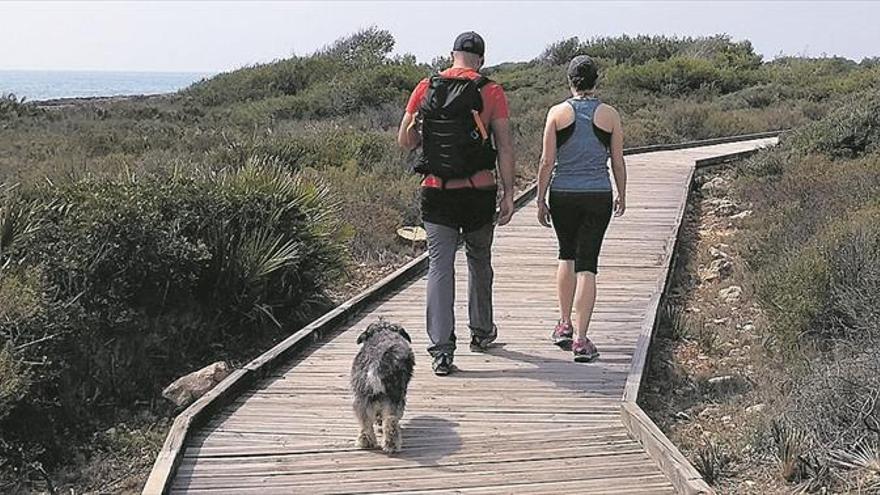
x=374, y=380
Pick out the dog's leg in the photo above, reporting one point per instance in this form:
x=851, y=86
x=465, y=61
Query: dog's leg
x=366, y=414
x=392, y=439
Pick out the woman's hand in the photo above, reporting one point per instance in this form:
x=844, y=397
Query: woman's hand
x=619, y=206
x=543, y=214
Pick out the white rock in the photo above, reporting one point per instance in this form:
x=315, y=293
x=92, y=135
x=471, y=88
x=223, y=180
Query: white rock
x=186, y=389
x=705, y=413
x=748, y=327
x=731, y=294
x=715, y=186
x=742, y=214
x=724, y=207
x=716, y=380
x=755, y=409
x=717, y=254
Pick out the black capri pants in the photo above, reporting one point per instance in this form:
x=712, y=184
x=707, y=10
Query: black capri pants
x=580, y=220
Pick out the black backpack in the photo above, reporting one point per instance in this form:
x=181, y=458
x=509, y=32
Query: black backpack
x=454, y=142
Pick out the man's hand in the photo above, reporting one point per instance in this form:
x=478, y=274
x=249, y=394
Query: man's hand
x=505, y=210
x=543, y=214
x=408, y=135
x=619, y=206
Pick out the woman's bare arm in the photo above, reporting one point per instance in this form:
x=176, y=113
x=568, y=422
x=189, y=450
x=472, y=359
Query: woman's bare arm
x=618, y=164
x=545, y=166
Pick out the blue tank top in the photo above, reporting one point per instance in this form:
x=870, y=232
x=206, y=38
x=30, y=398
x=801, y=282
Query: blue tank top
x=582, y=160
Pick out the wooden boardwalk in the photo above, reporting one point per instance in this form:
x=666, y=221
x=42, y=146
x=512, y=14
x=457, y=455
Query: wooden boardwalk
x=522, y=418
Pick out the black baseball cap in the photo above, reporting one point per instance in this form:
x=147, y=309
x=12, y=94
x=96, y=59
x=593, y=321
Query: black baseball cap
x=469, y=42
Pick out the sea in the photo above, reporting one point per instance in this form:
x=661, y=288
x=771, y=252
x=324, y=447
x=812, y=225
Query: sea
x=35, y=85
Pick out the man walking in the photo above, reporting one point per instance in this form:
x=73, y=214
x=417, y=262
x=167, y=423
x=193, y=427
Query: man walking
x=456, y=117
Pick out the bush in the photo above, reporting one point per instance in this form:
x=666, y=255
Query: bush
x=385, y=201
x=851, y=131
x=14, y=381
x=642, y=49
x=816, y=243
x=141, y=278
x=12, y=107
x=352, y=72
x=680, y=75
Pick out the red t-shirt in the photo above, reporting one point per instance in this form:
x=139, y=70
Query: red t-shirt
x=494, y=107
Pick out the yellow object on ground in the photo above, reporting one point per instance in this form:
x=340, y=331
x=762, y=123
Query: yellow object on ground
x=413, y=234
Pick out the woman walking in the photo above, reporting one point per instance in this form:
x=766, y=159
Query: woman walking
x=579, y=136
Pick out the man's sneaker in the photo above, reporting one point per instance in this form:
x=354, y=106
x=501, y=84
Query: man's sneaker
x=479, y=343
x=562, y=334
x=442, y=364
x=584, y=350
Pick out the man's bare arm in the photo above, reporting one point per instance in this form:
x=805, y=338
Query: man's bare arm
x=408, y=136
x=506, y=167
x=506, y=159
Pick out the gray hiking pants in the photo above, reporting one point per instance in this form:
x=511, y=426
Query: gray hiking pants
x=442, y=243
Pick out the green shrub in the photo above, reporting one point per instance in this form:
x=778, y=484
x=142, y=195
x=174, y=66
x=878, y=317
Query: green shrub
x=352, y=72
x=384, y=201
x=14, y=381
x=643, y=49
x=819, y=79
x=853, y=250
x=850, y=131
x=141, y=278
x=815, y=242
x=12, y=108
x=680, y=75
x=796, y=290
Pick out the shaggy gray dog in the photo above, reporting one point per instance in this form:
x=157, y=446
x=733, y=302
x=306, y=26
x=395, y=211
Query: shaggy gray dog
x=380, y=374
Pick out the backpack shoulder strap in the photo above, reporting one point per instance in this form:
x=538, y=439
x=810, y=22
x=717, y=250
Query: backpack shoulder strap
x=482, y=81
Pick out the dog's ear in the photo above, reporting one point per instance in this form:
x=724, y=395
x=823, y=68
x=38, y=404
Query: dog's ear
x=403, y=334
x=365, y=334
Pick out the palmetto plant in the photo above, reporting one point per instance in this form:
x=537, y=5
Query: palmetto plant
x=676, y=320
x=19, y=219
x=280, y=254
x=864, y=459
x=792, y=445
x=712, y=462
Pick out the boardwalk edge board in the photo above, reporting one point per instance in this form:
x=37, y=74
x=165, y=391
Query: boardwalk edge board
x=672, y=462
x=194, y=416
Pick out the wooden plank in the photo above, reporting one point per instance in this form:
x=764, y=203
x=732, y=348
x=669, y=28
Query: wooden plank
x=686, y=479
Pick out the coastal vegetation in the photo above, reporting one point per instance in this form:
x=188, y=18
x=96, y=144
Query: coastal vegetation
x=766, y=368
x=145, y=237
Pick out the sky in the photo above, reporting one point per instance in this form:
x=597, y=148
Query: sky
x=211, y=36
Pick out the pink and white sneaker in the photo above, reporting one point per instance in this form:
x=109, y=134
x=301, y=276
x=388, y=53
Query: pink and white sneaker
x=584, y=350
x=563, y=334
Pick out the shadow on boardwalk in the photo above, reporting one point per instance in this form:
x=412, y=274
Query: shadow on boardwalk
x=557, y=371
x=433, y=427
